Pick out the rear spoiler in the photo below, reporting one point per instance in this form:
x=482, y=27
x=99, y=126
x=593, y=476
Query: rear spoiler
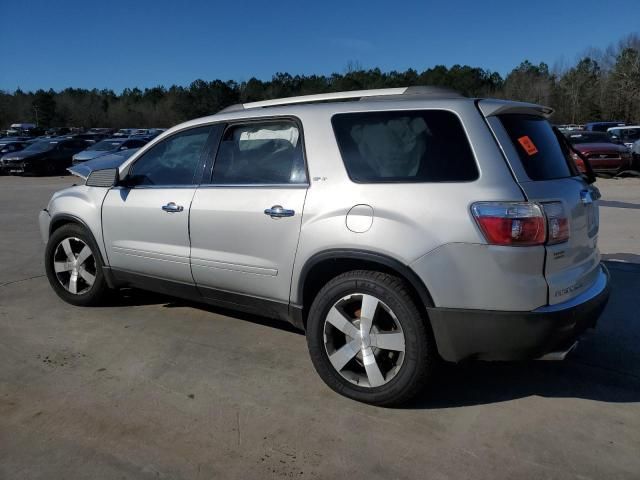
x=497, y=107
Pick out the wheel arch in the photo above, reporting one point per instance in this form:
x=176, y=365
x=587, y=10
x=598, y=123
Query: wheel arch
x=61, y=219
x=327, y=264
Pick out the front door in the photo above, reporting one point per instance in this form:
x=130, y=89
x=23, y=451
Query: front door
x=246, y=222
x=146, y=221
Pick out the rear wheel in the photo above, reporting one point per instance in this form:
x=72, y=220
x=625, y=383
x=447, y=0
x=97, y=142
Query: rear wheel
x=74, y=267
x=368, y=340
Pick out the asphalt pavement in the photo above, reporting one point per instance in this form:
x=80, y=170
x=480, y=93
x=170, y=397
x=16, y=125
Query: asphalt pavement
x=153, y=387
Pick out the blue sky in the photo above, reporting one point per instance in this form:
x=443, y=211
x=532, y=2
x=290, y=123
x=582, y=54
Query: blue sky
x=118, y=44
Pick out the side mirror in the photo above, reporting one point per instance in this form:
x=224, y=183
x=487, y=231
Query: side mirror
x=103, y=178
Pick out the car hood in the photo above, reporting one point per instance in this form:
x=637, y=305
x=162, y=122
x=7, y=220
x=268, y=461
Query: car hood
x=110, y=160
x=600, y=148
x=89, y=155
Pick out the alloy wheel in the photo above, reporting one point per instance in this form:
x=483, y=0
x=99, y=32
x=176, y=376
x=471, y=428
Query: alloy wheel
x=74, y=265
x=364, y=340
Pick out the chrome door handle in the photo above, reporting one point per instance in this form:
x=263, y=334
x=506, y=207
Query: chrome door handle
x=171, y=207
x=277, y=211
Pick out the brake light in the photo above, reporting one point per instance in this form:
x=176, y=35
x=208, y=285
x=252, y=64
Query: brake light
x=557, y=222
x=511, y=223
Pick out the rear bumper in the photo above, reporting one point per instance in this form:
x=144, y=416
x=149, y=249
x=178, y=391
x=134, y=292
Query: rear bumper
x=504, y=335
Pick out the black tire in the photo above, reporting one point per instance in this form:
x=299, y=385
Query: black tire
x=420, y=351
x=97, y=292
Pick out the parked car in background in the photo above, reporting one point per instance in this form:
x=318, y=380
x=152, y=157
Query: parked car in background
x=604, y=155
x=104, y=131
x=601, y=126
x=569, y=127
x=635, y=156
x=90, y=137
x=626, y=135
x=394, y=231
x=125, y=132
x=57, y=131
x=44, y=157
x=10, y=145
x=108, y=145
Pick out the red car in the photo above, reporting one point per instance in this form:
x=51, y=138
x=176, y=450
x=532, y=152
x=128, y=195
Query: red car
x=604, y=155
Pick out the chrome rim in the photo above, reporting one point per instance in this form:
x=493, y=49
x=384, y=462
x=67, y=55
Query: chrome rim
x=74, y=265
x=364, y=340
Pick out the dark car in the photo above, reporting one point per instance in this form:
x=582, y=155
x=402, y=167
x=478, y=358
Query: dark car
x=45, y=157
x=8, y=145
x=604, y=155
x=57, y=131
x=91, y=137
x=601, y=126
x=109, y=145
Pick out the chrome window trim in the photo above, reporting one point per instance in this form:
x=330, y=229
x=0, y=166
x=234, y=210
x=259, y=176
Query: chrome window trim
x=255, y=185
x=148, y=187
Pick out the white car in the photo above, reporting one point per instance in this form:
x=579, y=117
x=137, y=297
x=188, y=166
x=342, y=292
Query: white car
x=626, y=135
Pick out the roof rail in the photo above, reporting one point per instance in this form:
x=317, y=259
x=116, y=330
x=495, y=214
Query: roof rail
x=325, y=97
x=379, y=93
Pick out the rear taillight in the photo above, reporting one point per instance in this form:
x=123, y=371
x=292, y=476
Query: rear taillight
x=557, y=223
x=511, y=223
x=522, y=223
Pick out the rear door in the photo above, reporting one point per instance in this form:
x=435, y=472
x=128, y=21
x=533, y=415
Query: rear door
x=547, y=176
x=245, y=222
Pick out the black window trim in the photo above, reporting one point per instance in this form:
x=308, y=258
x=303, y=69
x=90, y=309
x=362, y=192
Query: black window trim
x=382, y=182
x=249, y=120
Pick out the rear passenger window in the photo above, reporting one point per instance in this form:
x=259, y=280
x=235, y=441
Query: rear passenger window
x=540, y=153
x=260, y=153
x=407, y=146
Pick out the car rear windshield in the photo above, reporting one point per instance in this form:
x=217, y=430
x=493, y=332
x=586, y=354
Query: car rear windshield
x=404, y=146
x=537, y=145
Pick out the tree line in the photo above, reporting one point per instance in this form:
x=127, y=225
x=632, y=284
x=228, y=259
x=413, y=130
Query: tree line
x=601, y=85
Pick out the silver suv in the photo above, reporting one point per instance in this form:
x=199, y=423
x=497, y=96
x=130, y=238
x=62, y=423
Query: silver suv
x=396, y=227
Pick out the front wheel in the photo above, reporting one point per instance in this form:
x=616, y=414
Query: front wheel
x=74, y=266
x=368, y=340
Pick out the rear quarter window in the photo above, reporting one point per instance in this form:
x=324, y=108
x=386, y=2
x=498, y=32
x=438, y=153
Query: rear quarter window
x=404, y=147
x=537, y=145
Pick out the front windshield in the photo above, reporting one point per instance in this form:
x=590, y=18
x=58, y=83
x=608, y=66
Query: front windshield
x=41, y=146
x=105, y=145
x=588, y=137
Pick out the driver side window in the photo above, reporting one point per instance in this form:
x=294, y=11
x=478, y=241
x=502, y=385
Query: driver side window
x=173, y=161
